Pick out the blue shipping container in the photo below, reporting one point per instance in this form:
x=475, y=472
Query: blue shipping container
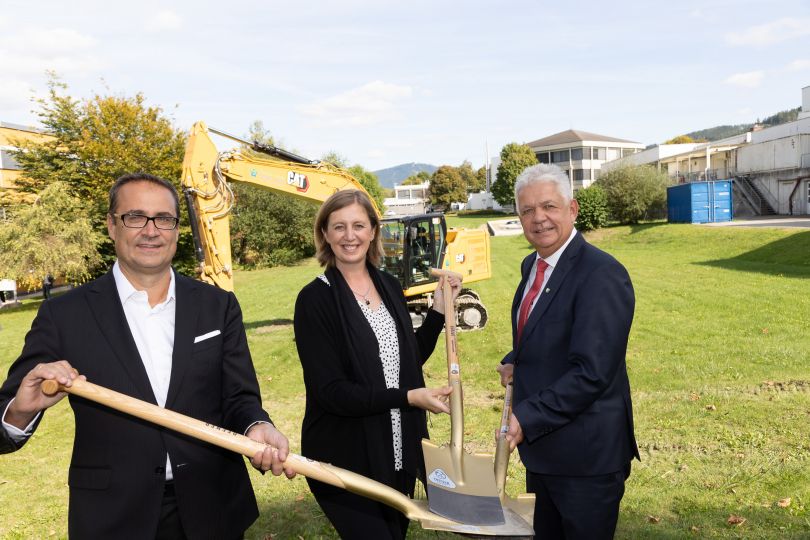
x=699, y=202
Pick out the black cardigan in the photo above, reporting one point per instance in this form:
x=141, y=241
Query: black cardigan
x=347, y=420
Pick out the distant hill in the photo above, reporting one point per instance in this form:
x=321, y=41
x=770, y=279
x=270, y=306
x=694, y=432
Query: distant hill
x=395, y=175
x=721, y=132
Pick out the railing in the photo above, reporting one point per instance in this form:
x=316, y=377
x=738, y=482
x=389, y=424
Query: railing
x=749, y=194
x=722, y=173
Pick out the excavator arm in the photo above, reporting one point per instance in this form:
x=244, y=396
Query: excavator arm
x=206, y=176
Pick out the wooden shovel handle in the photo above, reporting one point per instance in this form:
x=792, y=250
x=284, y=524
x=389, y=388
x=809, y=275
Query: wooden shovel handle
x=235, y=442
x=502, y=448
x=453, y=366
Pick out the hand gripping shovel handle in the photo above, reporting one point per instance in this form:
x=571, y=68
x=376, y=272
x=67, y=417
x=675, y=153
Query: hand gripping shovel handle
x=502, y=448
x=453, y=367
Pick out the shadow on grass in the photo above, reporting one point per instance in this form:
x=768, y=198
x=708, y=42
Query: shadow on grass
x=267, y=322
x=27, y=305
x=784, y=257
x=641, y=227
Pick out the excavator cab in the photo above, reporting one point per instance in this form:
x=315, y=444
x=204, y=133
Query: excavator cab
x=412, y=246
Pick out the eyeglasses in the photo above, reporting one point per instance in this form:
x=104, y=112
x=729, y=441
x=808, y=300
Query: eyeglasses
x=139, y=221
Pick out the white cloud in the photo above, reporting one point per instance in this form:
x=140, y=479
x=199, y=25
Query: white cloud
x=751, y=79
x=799, y=65
x=772, y=32
x=13, y=93
x=164, y=20
x=369, y=104
x=45, y=41
x=32, y=51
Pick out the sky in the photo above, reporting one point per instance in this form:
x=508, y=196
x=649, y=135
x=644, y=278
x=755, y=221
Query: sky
x=384, y=83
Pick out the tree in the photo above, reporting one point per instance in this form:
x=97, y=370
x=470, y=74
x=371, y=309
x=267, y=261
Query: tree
x=514, y=160
x=95, y=141
x=680, y=139
x=635, y=193
x=268, y=229
x=472, y=180
x=54, y=235
x=371, y=183
x=446, y=187
x=593, y=212
x=415, y=179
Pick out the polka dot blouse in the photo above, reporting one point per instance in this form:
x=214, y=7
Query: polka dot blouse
x=385, y=329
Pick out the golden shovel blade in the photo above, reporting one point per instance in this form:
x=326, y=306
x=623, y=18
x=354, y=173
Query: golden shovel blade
x=461, y=486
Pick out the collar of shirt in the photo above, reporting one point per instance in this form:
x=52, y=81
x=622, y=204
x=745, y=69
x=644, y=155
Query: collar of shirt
x=126, y=291
x=552, y=261
x=554, y=258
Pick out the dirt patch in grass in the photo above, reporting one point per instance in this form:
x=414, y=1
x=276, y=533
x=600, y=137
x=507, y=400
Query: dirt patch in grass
x=784, y=386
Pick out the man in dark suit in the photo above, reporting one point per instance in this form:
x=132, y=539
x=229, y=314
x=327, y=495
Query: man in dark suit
x=146, y=331
x=572, y=418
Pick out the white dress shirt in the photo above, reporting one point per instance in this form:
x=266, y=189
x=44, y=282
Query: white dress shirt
x=552, y=261
x=152, y=328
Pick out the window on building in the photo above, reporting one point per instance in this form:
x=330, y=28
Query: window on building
x=598, y=153
x=8, y=162
x=613, y=153
x=628, y=151
x=543, y=157
x=576, y=154
x=559, y=156
x=582, y=174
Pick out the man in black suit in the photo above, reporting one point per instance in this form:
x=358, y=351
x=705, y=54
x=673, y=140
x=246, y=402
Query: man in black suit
x=572, y=418
x=146, y=331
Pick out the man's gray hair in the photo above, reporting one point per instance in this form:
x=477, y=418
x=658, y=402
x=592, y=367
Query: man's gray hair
x=543, y=172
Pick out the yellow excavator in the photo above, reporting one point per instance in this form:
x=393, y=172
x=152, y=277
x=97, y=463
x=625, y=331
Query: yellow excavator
x=412, y=244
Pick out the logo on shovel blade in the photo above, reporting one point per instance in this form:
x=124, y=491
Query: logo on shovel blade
x=440, y=478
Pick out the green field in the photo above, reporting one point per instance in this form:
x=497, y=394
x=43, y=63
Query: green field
x=718, y=363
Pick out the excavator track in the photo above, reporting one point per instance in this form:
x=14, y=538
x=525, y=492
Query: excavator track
x=470, y=312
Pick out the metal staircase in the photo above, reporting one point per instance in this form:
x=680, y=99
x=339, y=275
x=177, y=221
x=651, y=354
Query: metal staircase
x=755, y=197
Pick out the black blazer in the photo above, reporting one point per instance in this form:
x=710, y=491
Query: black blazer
x=572, y=393
x=347, y=420
x=117, y=472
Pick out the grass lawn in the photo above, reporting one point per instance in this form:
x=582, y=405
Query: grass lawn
x=718, y=363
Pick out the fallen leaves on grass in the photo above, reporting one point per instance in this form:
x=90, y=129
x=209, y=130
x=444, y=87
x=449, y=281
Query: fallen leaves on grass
x=653, y=519
x=735, y=520
x=711, y=407
x=784, y=503
x=693, y=396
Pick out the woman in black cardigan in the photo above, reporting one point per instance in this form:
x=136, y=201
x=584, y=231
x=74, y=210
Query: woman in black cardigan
x=362, y=362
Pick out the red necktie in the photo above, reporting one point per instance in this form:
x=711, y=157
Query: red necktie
x=528, y=300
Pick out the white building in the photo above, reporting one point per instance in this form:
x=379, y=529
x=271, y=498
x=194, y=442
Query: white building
x=408, y=200
x=770, y=167
x=581, y=154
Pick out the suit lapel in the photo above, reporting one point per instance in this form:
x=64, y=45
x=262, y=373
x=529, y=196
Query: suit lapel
x=185, y=322
x=561, y=271
x=105, y=305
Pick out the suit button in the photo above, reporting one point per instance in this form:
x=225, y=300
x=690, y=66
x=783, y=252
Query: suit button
x=160, y=470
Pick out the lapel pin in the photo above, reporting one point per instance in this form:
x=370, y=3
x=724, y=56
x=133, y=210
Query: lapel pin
x=548, y=290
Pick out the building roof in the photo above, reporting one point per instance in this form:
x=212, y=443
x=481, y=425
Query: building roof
x=575, y=135
x=20, y=127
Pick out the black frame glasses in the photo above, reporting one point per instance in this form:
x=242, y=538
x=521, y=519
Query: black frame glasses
x=139, y=221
